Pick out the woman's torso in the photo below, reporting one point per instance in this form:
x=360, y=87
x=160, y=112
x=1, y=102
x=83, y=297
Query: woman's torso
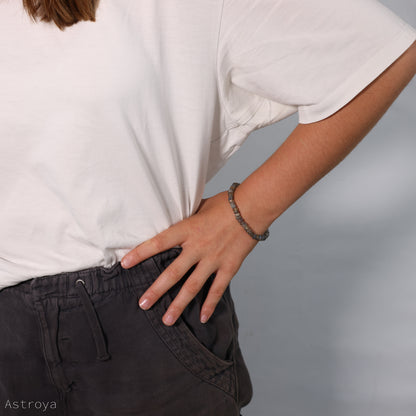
x=105, y=131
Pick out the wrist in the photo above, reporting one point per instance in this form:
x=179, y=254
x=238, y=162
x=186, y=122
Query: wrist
x=251, y=211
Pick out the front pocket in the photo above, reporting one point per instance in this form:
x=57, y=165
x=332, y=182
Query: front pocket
x=206, y=350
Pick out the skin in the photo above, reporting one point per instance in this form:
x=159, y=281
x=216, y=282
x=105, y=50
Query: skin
x=214, y=239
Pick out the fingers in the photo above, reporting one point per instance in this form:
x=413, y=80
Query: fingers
x=216, y=291
x=170, y=275
x=189, y=290
x=172, y=236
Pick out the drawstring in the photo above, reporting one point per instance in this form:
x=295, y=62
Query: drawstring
x=97, y=331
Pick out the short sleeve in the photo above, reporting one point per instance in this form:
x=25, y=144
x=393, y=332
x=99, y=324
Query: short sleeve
x=278, y=57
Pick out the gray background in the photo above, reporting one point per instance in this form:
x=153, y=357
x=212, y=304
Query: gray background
x=327, y=304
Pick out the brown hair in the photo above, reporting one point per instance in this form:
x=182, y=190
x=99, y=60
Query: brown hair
x=62, y=12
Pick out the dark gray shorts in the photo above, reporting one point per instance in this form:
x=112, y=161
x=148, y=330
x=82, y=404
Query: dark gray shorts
x=77, y=344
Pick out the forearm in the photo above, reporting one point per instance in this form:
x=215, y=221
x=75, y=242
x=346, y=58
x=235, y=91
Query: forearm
x=312, y=150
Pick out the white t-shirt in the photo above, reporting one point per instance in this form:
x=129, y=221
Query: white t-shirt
x=109, y=130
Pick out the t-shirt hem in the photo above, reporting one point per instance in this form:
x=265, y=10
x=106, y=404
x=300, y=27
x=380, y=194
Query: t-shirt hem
x=359, y=79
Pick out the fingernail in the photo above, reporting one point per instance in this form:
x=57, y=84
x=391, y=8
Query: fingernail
x=204, y=318
x=126, y=262
x=168, y=319
x=144, y=303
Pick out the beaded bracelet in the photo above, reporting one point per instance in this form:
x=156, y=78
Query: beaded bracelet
x=237, y=213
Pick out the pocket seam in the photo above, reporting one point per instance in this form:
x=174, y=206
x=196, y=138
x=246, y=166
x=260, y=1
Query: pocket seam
x=212, y=369
x=203, y=348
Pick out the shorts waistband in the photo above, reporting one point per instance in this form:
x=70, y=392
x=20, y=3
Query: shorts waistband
x=97, y=279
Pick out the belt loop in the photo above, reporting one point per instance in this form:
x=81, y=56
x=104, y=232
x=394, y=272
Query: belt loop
x=97, y=331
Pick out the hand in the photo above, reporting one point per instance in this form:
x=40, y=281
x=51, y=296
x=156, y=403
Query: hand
x=213, y=238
